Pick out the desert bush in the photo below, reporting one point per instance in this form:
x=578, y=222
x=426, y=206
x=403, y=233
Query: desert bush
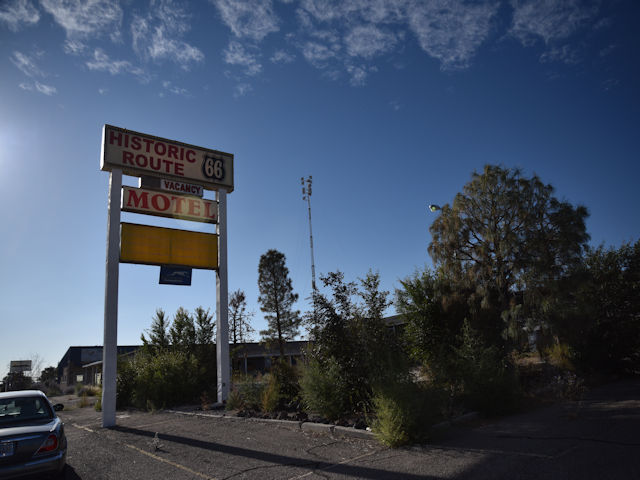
x=84, y=401
x=88, y=390
x=165, y=379
x=490, y=381
x=235, y=401
x=288, y=380
x=271, y=396
x=559, y=355
x=125, y=383
x=98, y=405
x=53, y=390
x=324, y=390
x=248, y=390
x=404, y=411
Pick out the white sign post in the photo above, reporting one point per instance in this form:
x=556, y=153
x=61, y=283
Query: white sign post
x=222, y=305
x=110, y=348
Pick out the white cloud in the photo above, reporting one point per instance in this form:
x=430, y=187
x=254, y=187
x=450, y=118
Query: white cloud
x=452, y=30
x=26, y=64
x=39, y=87
x=280, y=56
x=368, y=41
x=242, y=89
x=175, y=89
x=18, y=12
x=86, y=18
x=165, y=47
x=372, y=11
x=46, y=89
x=236, y=54
x=254, y=19
x=156, y=36
x=103, y=91
x=358, y=75
x=101, y=62
x=74, y=47
x=317, y=54
x=564, y=53
x=550, y=20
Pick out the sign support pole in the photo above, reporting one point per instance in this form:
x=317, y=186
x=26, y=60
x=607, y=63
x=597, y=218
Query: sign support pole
x=222, y=301
x=110, y=347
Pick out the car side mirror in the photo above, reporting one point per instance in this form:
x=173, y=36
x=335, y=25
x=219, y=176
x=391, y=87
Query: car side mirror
x=58, y=407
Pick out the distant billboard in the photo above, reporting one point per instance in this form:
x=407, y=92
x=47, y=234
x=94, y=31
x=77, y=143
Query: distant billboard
x=19, y=366
x=140, y=154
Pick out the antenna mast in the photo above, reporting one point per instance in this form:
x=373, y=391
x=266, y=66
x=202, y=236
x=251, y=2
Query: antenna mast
x=306, y=195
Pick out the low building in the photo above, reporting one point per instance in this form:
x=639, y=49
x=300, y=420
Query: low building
x=84, y=364
x=258, y=358
x=71, y=369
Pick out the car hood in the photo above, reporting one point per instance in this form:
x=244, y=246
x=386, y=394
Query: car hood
x=29, y=428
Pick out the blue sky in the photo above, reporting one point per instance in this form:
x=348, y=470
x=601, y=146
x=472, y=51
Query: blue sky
x=390, y=105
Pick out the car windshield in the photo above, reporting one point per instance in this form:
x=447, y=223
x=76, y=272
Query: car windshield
x=24, y=409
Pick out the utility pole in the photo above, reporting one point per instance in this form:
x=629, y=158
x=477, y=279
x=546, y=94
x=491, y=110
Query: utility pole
x=306, y=195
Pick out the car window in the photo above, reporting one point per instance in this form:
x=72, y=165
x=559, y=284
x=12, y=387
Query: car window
x=23, y=409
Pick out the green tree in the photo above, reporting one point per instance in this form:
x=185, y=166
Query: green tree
x=351, y=350
x=205, y=327
x=505, y=243
x=277, y=299
x=17, y=381
x=601, y=319
x=239, y=318
x=158, y=336
x=49, y=376
x=434, y=315
x=183, y=331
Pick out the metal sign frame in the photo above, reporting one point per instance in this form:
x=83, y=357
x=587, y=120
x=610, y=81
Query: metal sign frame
x=112, y=269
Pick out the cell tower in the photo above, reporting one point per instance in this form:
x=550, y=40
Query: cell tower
x=306, y=195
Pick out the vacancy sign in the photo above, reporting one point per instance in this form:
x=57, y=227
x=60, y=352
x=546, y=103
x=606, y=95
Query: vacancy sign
x=149, y=245
x=140, y=154
x=150, y=202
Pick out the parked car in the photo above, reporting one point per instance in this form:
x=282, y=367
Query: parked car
x=32, y=439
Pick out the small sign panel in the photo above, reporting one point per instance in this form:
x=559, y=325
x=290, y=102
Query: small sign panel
x=156, y=183
x=19, y=366
x=175, y=275
x=140, y=154
x=139, y=200
x=149, y=245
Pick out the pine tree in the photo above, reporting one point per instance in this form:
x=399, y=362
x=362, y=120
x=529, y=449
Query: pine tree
x=277, y=299
x=504, y=244
x=183, y=331
x=158, y=337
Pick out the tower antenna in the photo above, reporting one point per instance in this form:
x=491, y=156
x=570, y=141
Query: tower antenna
x=306, y=195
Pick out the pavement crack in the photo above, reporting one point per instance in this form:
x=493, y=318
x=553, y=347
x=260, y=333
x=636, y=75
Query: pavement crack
x=310, y=450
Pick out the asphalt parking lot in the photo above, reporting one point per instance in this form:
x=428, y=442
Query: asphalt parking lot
x=593, y=439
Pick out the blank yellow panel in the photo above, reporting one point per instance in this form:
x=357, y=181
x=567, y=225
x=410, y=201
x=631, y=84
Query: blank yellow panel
x=166, y=246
